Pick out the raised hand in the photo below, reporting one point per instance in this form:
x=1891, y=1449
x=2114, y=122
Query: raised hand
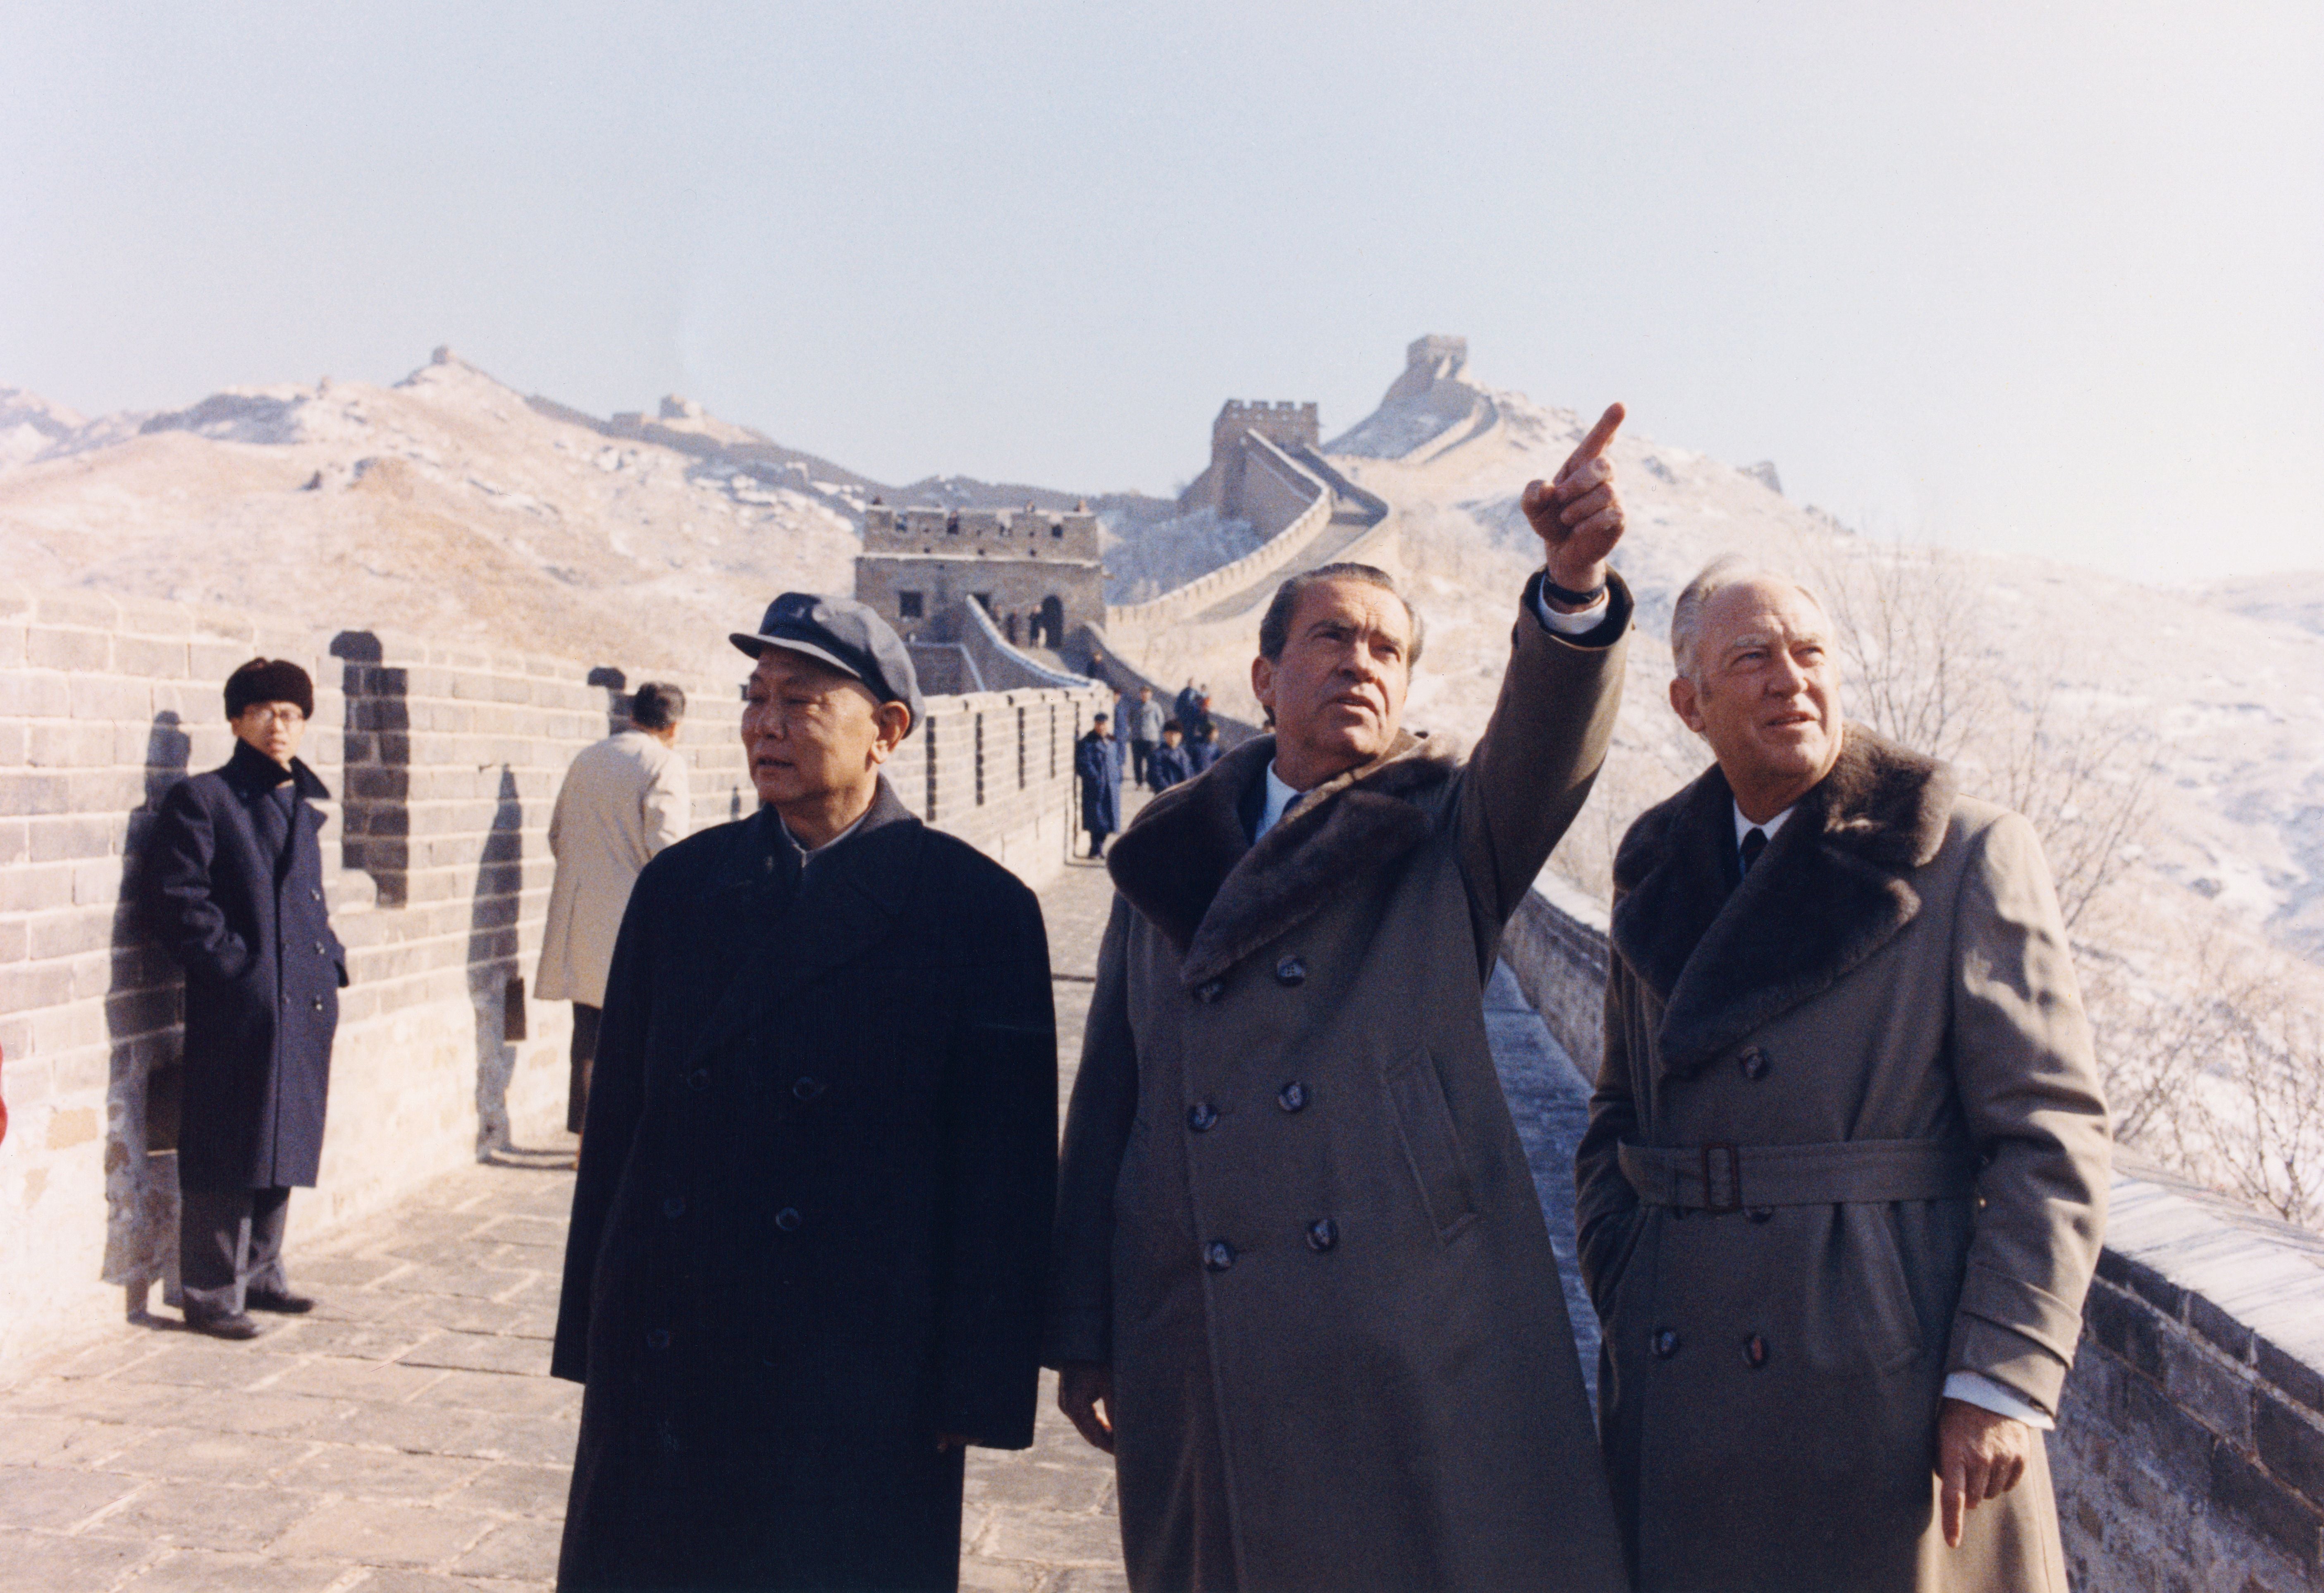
x=1578, y=515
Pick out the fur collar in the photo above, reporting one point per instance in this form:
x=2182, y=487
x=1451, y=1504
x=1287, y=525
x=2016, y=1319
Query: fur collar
x=1185, y=864
x=1834, y=887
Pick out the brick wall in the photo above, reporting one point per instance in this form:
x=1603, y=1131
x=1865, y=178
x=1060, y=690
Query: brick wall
x=444, y=762
x=2189, y=1449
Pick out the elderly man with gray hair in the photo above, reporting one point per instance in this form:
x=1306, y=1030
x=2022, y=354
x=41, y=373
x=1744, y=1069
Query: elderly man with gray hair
x=1302, y=1291
x=1845, y=1177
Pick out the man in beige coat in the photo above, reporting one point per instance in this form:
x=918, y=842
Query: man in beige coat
x=1303, y=1289
x=1845, y=1178
x=623, y=800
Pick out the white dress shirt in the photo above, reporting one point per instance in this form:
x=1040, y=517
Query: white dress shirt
x=1972, y=1388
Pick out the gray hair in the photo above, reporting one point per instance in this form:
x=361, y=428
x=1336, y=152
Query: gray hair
x=1275, y=628
x=1728, y=570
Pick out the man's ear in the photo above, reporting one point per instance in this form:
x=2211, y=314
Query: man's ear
x=894, y=722
x=1262, y=684
x=1685, y=703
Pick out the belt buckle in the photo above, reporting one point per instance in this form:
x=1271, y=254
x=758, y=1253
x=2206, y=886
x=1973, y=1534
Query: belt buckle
x=1722, y=1179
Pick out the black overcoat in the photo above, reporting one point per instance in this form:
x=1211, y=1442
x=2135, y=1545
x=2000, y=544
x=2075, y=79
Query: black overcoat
x=812, y=1209
x=240, y=903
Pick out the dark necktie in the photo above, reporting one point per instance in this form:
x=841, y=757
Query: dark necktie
x=1754, y=843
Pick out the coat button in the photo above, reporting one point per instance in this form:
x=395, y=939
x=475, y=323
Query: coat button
x=675, y=1206
x=1666, y=1344
x=658, y=1339
x=1754, y=1352
x=806, y=1089
x=1218, y=1256
x=1291, y=970
x=318, y=949
x=1292, y=1097
x=1322, y=1234
x=319, y=1004
x=1202, y=1116
x=1761, y=1213
x=699, y=1079
x=315, y=895
x=789, y=1219
x=1210, y=990
x=1754, y=1063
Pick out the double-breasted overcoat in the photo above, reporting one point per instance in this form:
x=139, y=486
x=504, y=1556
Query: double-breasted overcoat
x=1294, y=1216
x=811, y=1216
x=237, y=881
x=624, y=799
x=1847, y=1139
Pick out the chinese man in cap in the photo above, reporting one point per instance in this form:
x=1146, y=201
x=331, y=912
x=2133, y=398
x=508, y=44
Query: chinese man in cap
x=805, y=1265
x=1304, y=1291
x=238, y=877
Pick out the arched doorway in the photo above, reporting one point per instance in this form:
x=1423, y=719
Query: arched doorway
x=1051, y=623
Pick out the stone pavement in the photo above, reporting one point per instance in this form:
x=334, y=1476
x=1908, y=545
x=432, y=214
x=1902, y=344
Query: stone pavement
x=407, y=1437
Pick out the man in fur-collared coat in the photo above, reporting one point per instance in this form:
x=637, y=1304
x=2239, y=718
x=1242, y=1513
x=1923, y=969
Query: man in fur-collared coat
x=1845, y=1179
x=1303, y=1289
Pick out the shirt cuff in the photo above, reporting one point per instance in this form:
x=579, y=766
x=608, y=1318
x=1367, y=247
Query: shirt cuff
x=1973, y=1388
x=1579, y=623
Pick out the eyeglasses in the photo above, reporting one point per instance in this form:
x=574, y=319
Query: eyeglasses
x=275, y=713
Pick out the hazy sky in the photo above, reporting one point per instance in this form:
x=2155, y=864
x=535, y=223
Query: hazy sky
x=2030, y=276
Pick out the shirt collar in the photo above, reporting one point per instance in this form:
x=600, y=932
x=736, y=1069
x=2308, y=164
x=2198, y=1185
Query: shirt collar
x=812, y=853
x=1279, y=796
x=1744, y=827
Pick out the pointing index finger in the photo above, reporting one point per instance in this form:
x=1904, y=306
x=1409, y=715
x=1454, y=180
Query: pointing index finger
x=1594, y=444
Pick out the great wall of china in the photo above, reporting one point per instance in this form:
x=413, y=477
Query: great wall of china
x=2190, y=1450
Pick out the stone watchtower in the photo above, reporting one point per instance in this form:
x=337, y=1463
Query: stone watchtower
x=1037, y=571
x=1285, y=423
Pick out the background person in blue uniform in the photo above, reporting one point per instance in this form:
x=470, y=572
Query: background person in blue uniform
x=237, y=879
x=805, y=1265
x=1097, y=761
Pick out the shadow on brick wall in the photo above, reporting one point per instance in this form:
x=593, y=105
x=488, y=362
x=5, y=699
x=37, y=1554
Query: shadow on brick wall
x=144, y=995
x=376, y=805
x=495, y=987
x=617, y=696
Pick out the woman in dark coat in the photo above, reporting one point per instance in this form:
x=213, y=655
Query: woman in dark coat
x=237, y=872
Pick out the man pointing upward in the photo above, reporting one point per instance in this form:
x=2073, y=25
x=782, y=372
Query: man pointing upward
x=1302, y=1291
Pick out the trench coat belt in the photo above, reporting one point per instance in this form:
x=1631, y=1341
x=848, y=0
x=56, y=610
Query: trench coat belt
x=1867, y=1171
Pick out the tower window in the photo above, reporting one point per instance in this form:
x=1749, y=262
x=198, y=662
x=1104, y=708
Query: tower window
x=908, y=605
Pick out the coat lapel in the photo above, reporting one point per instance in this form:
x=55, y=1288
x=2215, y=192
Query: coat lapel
x=795, y=923
x=1832, y=889
x=1186, y=865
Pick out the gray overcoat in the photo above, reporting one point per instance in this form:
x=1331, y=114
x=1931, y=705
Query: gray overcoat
x=1294, y=1215
x=1847, y=1138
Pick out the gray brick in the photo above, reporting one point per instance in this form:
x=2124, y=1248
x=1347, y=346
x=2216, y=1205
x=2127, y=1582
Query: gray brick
x=2302, y=1382
x=2291, y=1445
x=2279, y=1515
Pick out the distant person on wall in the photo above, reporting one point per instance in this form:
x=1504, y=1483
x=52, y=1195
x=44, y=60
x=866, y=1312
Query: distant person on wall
x=1172, y=764
x=1846, y=1173
x=623, y=800
x=805, y=1266
x=237, y=879
x=1304, y=1293
x=1203, y=748
x=1144, y=723
x=1097, y=763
